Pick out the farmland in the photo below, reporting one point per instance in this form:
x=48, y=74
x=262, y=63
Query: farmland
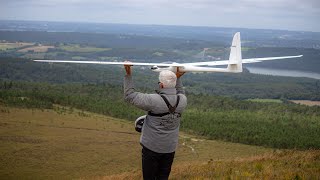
x=13, y=45
x=36, y=49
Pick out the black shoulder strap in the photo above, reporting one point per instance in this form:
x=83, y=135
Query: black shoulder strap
x=172, y=109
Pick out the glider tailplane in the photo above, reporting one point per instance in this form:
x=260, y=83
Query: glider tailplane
x=235, y=58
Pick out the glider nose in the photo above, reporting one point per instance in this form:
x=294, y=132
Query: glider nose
x=154, y=67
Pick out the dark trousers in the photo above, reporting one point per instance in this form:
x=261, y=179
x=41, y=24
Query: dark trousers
x=156, y=165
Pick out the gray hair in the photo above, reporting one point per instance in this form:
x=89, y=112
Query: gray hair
x=168, y=79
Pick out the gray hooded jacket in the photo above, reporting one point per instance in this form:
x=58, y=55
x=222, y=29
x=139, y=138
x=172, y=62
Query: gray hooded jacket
x=159, y=134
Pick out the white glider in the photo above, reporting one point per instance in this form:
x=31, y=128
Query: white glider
x=234, y=64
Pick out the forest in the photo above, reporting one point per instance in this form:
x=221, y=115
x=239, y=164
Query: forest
x=241, y=86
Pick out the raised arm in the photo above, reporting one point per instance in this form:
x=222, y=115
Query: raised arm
x=179, y=87
x=140, y=100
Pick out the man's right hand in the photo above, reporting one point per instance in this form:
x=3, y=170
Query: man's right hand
x=127, y=68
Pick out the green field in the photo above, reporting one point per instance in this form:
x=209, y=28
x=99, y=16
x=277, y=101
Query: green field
x=66, y=143
x=81, y=49
x=247, y=48
x=266, y=100
x=78, y=58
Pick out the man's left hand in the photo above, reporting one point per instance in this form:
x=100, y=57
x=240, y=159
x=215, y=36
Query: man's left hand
x=179, y=73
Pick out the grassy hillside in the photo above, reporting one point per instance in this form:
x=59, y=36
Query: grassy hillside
x=67, y=143
x=55, y=144
x=277, y=125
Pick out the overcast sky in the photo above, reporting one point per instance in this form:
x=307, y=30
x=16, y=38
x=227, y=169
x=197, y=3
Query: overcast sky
x=267, y=14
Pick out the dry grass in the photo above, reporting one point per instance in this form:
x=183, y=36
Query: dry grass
x=307, y=102
x=36, y=144
x=277, y=165
x=64, y=143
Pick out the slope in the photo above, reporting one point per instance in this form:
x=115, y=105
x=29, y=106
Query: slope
x=67, y=143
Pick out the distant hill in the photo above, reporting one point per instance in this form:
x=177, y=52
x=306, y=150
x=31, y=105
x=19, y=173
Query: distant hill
x=253, y=37
x=98, y=39
x=310, y=62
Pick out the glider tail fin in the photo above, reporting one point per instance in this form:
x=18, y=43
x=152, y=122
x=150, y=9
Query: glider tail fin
x=235, y=58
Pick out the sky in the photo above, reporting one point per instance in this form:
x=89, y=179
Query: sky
x=300, y=15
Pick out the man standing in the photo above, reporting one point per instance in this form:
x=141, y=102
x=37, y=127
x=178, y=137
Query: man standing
x=160, y=131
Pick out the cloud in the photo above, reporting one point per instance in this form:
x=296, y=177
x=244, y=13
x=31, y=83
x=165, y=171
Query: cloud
x=214, y=5
x=276, y=14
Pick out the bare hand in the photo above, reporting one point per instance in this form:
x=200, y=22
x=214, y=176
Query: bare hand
x=127, y=68
x=179, y=73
